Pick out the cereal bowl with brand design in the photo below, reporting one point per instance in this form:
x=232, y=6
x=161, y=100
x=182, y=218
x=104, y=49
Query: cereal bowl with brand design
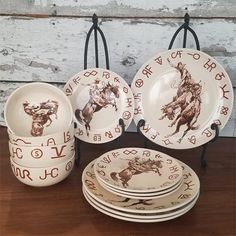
x=41, y=156
x=37, y=109
x=45, y=176
x=61, y=137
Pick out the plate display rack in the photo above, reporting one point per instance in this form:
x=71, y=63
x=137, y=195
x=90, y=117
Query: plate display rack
x=97, y=30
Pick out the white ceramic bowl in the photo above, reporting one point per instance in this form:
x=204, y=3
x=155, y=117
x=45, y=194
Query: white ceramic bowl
x=41, y=156
x=41, y=177
x=37, y=109
x=61, y=137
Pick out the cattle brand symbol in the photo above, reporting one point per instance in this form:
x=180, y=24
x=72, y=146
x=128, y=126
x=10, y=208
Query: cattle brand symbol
x=127, y=152
x=192, y=139
x=185, y=107
x=224, y=91
x=207, y=132
x=139, y=83
x=41, y=114
x=167, y=142
x=93, y=73
x=136, y=166
x=224, y=110
x=126, y=115
x=36, y=153
x=53, y=173
x=69, y=166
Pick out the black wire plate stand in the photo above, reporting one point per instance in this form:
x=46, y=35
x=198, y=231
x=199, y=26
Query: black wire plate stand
x=185, y=26
x=96, y=29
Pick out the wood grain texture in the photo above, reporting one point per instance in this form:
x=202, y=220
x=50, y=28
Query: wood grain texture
x=62, y=210
x=121, y=8
x=51, y=49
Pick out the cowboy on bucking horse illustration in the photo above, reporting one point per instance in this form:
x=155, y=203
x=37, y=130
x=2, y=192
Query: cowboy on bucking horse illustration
x=187, y=102
x=41, y=115
x=101, y=95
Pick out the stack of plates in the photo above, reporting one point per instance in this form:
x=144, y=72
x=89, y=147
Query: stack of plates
x=140, y=185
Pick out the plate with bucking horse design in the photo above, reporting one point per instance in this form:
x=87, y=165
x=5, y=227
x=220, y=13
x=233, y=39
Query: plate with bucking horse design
x=138, y=170
x=179, y=94
x=100, y=98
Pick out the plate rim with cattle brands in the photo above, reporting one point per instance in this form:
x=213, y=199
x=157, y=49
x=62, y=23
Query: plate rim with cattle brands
x=142, y=195
x=179, y=198
x=138, y=170
x=182, y=119
x=106, y=91
x=156, y=217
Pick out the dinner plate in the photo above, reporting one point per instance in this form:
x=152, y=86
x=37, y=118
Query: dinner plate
x=142, y=195
x=140, y=215
x=137, y=217
x=99, y=98
x=184, y=195
x=138, y=170
x=180, y=93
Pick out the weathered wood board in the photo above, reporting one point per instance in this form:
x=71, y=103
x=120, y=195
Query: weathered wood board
x=51, y=49
x=121, y=8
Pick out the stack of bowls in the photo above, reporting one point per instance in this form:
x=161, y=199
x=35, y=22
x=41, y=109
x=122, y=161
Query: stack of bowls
x=41, y=134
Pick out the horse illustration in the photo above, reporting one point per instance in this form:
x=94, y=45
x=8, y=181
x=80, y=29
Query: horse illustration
x=41, y=115
x=136, y=167
x=185, y=107
x=99, y=98
x=189, y=114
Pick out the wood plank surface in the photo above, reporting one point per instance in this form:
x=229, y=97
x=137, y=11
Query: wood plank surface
x=121, y=8
x=51, y=49
x=62, y=210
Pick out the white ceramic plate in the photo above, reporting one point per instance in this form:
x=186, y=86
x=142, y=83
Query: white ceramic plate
x=37, y=109
x=185, y=194
x=180, y=93
x=100, y=98
x=138, y=170
x=142, y=195
x=135, y=217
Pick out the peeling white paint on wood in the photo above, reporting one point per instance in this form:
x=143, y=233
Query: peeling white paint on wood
x=121, y=8
x=52, y=49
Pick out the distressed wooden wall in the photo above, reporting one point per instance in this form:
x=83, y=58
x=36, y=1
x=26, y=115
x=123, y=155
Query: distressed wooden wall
x=43, y=40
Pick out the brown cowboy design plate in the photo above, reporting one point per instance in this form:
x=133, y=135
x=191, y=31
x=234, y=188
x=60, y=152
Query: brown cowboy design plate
x=138, y=170
x=100, y=98
x=180, y=93
x=188, y=191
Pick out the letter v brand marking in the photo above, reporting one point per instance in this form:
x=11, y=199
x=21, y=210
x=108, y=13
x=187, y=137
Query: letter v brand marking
x=59, y=152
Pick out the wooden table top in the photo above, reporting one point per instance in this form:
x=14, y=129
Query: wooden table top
x=62, y=210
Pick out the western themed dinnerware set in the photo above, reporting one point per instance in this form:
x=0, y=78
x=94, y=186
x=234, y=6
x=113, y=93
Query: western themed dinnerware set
x=41, y=134
x=140, y=185
x=179, y=94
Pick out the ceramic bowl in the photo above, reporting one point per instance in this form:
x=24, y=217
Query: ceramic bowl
x=41, y=156
x=41, y=177
x=37, y=109
x=61, y=137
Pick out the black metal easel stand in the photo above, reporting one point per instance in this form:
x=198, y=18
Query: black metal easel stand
x=96, y=29
x=214, y=126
